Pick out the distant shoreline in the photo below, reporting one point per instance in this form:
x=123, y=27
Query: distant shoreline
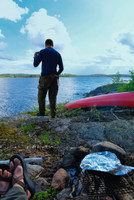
x=63, y=75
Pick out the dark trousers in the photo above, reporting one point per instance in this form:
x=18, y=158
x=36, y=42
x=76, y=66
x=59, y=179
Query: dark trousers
x=15, y=193
x=48, y=83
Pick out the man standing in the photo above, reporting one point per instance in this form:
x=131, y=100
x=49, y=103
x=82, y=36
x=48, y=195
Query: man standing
x=48, y=81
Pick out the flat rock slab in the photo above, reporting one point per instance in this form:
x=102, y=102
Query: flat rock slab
x=119, y=132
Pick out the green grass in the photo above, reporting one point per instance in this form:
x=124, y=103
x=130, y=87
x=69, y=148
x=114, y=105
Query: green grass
x=46, y=138
x=10, y=134
x=50, y=138
x=61, y=111
x=95, y=112
x=28, y=128
x=51, y=192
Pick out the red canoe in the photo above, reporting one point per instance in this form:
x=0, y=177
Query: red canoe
x=117, y=99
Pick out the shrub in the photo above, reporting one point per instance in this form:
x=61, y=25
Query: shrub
x=51, y=192
x=129, y=86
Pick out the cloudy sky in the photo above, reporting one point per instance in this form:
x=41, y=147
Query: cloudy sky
x=93, y=36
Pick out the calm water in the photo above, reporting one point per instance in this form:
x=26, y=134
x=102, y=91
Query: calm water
x=20, y=94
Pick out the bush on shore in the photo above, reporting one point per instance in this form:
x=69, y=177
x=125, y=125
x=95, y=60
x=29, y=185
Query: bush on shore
x=128, y=87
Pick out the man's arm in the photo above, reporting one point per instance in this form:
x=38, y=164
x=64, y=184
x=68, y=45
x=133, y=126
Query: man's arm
x=37, y=58
x=60, y=66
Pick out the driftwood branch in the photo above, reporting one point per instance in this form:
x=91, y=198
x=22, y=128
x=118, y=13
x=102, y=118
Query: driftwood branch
x=114, y=115
x=28, y=160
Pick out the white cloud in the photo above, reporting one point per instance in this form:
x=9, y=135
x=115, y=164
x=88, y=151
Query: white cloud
x=1, y=35
x=11, y=11
x=58, y=16
x=4, y=57
x=123, y=47
x=3, y=45
x=41, y=26
x=126, y=38
x=18, y=64
x=117, y=56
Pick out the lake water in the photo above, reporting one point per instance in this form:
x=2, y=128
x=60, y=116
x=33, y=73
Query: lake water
x=20, y=94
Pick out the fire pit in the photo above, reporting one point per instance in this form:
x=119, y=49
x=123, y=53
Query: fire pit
x=100, y=185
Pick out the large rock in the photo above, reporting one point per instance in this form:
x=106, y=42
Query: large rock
x=41, y=184
x=82, y=197
x=59, y=125
x=60, y=179
x=73, y=157
x=121, y=132
x=90, y=130
x=105, y=89
x=68, y=161
x=109, y=146
x=34, y=170
x=80, y=152
x=64, y=194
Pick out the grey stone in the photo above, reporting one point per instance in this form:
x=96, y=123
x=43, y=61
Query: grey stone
x=109, y=146
x=92, y=142
x=41, y=184
x=80, y=153
x=59, y=125
x=39, y=119
x=17, y=117
x=105, y=89
x=91, y=130
x=34, y=170
x=82, y=197
x=121, y=132
x=60, y=179
x=64, y=194
x=68, y=161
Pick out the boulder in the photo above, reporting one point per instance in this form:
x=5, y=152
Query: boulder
x=80, y=153
x=68, y=161
x=121, y=132
x=64, y=194
x=105, y=89
x=109, y=146
x=34, y=170
x=59, y=125
x=89, y=131
x=41, y=184
x=60, y=179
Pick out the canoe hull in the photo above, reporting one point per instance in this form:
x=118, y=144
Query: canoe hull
x=125, y=99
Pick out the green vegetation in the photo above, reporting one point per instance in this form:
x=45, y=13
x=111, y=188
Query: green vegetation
x=18, y=75
x=10, y=134
x=46, y=138
x=60, y=112
x=28, y=128
x=50, y=138
x=128, y=87
x=123, y=85
x=51, y=192
x=94, y=111
x=73, y=113
x=62, y=75
x=12, y=140
x=117, y=78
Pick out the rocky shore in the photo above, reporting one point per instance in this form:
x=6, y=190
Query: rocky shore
x=63, y=142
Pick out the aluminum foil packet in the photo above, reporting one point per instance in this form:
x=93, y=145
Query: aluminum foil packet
x=104, y=162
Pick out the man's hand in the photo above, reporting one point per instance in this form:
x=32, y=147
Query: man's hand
x=36, y=53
